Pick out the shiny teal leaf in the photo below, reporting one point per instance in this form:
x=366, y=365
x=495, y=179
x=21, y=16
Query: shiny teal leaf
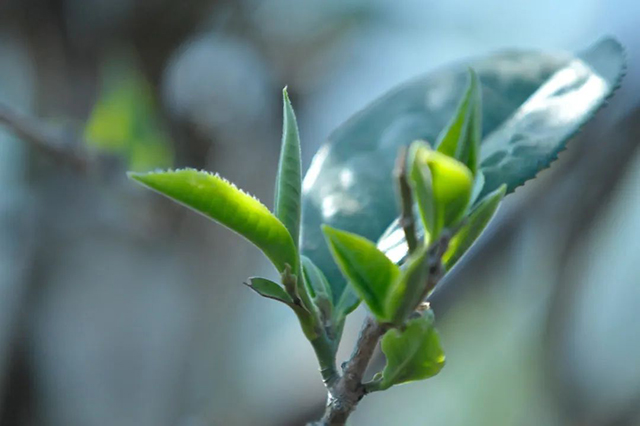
x=532, y=103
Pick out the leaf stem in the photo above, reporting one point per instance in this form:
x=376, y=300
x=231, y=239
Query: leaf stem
x=348, y=389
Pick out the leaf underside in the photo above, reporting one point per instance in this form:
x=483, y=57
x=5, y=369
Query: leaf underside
x=523, y=94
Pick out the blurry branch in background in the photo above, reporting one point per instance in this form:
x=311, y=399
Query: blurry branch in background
x=32, y=131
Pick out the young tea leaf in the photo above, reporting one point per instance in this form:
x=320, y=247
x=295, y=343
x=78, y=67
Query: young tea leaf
x=407, y=292
x=269, y=289
x=478, y=219
x=221, y=201
x=289, y=178
x=412, y=354
x=422, y=185
x=368, y=270
x=522, y=134
x=461, y=138
x=451, y=186
x=317, y=287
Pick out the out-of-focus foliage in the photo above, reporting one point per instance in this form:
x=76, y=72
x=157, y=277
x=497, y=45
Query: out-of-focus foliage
x=125, y=119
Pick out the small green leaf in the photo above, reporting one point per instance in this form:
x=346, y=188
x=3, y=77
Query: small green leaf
x=451, y=186
x=422, y=185
x=221, y=201
x=461, y=138
x=412, y=354
x=368, y=270
x=289, y=178
x=269, y=289
x=317, y=287
x=476, y=223
x=410, y=288
x=348, y=302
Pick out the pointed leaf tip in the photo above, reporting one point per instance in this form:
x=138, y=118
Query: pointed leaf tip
x=220, y=200
x=461, y=138
x=288, y=191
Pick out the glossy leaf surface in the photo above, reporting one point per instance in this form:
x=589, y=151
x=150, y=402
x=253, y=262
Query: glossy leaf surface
x=532, y=103
x=221, y=201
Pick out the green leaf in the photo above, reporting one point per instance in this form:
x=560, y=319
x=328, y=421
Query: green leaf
x=421, y=182
x=368, y=270
x=523, y=94
x=477, y=221
x=269, y=289
x=317, y=287
x=410, y=288
x=452, y=185
x=412, y=354
x=221, y=201
x=443, y=188
x=461, y=138
x=125, y=119
x=289, y=178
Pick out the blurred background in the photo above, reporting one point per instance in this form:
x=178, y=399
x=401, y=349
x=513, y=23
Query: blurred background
x=119, y=308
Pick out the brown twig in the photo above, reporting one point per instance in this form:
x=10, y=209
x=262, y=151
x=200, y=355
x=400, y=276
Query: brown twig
x=348, y=390
x=32, y=132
